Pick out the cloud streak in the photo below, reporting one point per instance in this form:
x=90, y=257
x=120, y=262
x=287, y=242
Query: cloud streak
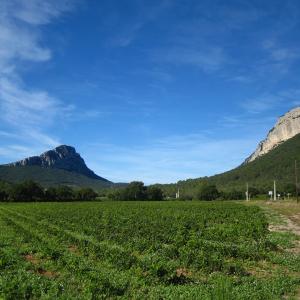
x=27, y=112
x=267, y=102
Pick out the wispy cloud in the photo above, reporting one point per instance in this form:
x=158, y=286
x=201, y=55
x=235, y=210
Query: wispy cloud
x=27, y=112
x=209, y=59
x=267, y=101
x=142, y=14
x=30, y=108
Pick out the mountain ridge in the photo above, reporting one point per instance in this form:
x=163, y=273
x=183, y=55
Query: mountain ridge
x=62, y=157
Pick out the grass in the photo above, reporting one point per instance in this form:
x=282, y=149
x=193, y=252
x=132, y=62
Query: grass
x=143, y=250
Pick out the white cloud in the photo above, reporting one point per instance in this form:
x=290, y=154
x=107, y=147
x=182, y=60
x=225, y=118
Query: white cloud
x=38, y=12
x=27, y=112
x=30, y=107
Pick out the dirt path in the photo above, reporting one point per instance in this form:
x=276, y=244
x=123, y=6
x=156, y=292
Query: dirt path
x=288, y=226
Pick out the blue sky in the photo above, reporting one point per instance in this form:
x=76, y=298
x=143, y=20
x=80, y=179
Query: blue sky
x=156, y=91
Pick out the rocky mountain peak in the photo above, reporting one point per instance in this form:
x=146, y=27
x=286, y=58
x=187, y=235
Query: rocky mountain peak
x=62, y=157
x=286, y=127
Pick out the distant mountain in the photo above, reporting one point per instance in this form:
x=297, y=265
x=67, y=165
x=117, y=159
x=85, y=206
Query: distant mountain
x=278, y=164
x=62, y=165
x=287, y=127
x=274, y=159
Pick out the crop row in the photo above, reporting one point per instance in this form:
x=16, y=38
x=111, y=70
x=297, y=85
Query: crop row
x=128, y=250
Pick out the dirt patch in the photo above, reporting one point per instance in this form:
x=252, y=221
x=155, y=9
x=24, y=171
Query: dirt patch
x=295, y=249
x=35, y=261
x=296, y=219
x=73, y=249
x=48, y=274
x=183, y=272
x=32, y=259
x=288, y=226
x=265, y=269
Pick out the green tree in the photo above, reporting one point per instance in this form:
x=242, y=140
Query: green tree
x=3, y=195
x=154, y=193
x=51, y=194
x=65, y=193
x=290, y=188
x=253, y=192
x=208, y=192
x=26, y=192
x=86, y=194
x=4, y=187
x=232, y=195
x=134, y=191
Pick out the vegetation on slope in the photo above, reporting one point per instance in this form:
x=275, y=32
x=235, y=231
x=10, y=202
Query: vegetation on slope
x=279, y=165
x=49, y=177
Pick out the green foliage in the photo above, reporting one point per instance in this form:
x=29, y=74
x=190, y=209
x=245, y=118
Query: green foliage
x=30, y=191
x=86, y=194
x=4, y=191
x=232, y=195
x=136, y=191
x=141, y=250
x=154, y=193
x=26, y=192
x=48, y=177
x=208, y=192
x=64, y=193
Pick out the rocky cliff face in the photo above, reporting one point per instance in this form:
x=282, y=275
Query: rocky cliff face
x=63, y=157
x=287, y=127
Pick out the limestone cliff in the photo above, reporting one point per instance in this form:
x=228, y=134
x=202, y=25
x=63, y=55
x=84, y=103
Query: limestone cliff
x=286, y=127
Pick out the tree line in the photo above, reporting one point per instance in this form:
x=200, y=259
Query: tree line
x=30, y=191
x=136, y=190
x=207, y=192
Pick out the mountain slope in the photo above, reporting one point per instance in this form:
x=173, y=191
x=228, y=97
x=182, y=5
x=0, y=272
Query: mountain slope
x=50, y=177
x=60, y=166
x=278, y=164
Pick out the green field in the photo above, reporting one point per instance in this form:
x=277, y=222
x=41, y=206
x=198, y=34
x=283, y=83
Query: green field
x=143, y=250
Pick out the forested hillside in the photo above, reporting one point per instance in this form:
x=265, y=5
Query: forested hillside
x=279, y=165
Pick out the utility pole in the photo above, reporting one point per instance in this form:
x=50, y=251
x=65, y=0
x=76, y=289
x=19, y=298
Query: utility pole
x=296, y=181
x=247, y=192
x=275, y=196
